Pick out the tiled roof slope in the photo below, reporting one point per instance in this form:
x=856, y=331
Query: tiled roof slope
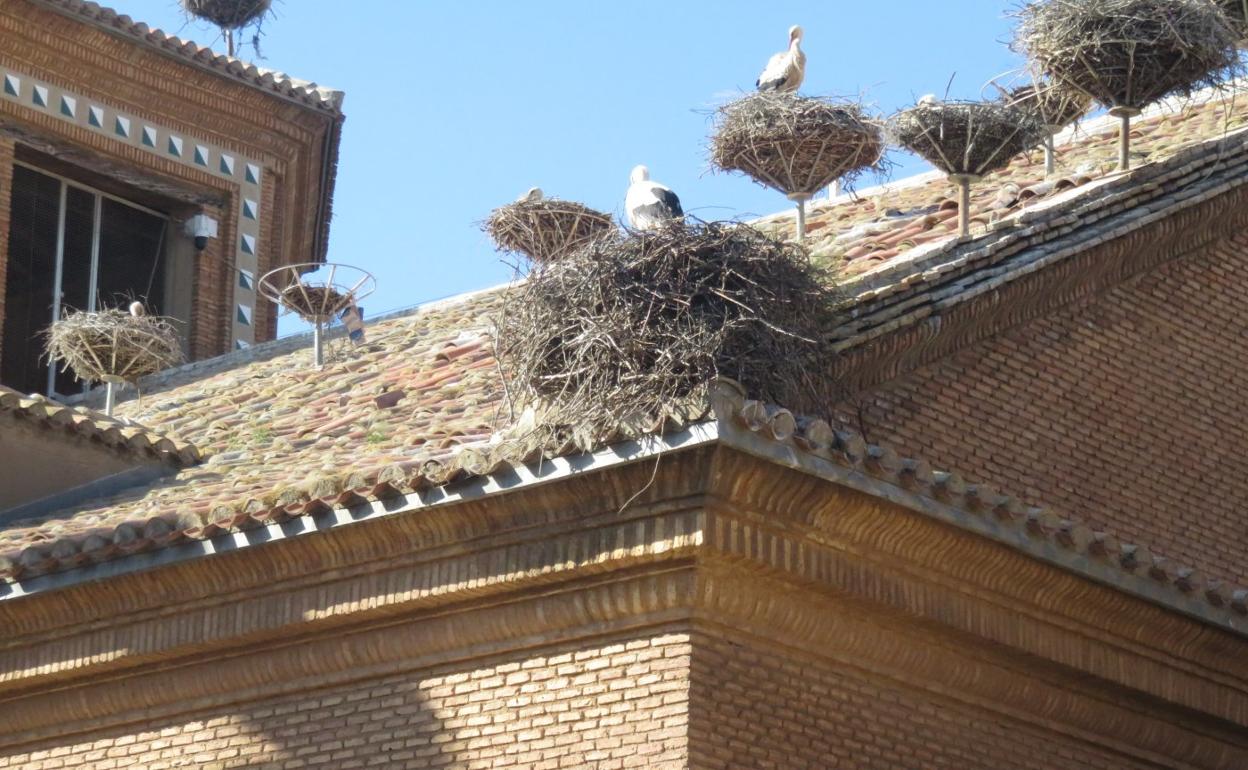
x=884, y=227
x=270, y=429
x=273, y=81
x=115, y=434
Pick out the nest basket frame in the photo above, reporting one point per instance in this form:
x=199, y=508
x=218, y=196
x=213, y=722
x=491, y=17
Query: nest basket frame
x=315, y=303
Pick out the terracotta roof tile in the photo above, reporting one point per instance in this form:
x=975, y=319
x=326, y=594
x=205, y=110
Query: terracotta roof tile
x=883, y=225
x=273, y=81
x=129, y=437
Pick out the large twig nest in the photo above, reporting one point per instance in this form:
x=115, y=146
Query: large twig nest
x=228, y=14
x=546, y=229
x=112, y=345
x=1128, y=53
x=967, y=138
x=1056, y=106
x=795, y=144
x=628, y=327
x=1237, y=12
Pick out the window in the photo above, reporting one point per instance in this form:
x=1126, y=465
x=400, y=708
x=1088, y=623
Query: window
x=71, y=246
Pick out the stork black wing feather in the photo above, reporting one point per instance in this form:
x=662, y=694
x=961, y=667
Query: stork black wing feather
x=670, y=202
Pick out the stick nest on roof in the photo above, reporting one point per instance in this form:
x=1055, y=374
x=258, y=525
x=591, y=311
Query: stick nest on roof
x=1128, y=53
x=112, y=345
x=313, y=303
x=228, y=14
x=968, y=138
x=1237, y=12
x=795, y=144
x=1055, y=105
x=628, y=328
x=547, y=229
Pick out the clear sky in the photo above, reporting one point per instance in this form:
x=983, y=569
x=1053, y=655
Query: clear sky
x=454, y=108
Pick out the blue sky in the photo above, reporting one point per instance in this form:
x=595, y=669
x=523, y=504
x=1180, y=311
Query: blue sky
x=456, y=108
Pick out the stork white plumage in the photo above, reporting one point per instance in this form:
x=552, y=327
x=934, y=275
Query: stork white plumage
x=786, y=70
x=532, y=196
x=649, y=204
x=137, y=310
x=929, y=100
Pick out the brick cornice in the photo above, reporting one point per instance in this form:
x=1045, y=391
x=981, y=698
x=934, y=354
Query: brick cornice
x=806, y=561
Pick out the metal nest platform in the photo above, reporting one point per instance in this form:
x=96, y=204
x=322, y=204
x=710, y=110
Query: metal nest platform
x=317, y=302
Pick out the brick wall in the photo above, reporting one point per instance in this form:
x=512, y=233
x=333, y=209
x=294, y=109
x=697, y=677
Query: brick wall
x=6, y=204
x=757, y=705
x=1126, y=410
x=616, y=703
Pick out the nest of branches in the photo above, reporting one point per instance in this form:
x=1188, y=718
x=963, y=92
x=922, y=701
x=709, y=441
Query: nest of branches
x=795, y=144
x=228, y=14
x=1237, y=13
x=313, y=303
x=969, y=138
x=627, y=328
x=547, y=229
x=1129, y=53
x=112, y=345
x=1055, y=105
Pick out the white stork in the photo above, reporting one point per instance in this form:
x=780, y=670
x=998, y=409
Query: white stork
x=785, y=71
x=137, y=310
x=649, y=204
x=929, y=100
x=532, y=196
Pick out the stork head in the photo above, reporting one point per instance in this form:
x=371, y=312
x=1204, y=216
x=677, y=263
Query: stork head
x=795, y=34
x=639, y=174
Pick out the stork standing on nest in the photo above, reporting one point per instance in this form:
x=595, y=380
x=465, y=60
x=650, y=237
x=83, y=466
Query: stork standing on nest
x=785, y=71
x=649, y=204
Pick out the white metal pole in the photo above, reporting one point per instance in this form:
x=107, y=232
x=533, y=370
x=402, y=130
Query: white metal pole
x=110, y=398
x=318, y=357
x=800, y=199
x=964, y=205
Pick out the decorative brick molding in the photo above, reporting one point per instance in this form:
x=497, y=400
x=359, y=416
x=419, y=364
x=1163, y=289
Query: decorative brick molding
x=72, y=86
x=717, y=538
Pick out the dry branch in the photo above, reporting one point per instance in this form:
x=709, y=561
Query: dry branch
x=546, y=229
x=228, y=14
x=1056, y=106
x=627, y=328
x=113, y=345
x=967, y=138
x=1128, y=53
x=795, y=144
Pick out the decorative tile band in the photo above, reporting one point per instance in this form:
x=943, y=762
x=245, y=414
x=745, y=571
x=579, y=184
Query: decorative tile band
x=26, y=91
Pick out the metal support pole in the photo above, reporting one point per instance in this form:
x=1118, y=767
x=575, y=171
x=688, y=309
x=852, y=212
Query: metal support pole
x=1124, y=143
x=318, y=357
x=1124, y=115
x=964, y=203
x=1050, y=156
x=800, y=199
x=110, y=397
